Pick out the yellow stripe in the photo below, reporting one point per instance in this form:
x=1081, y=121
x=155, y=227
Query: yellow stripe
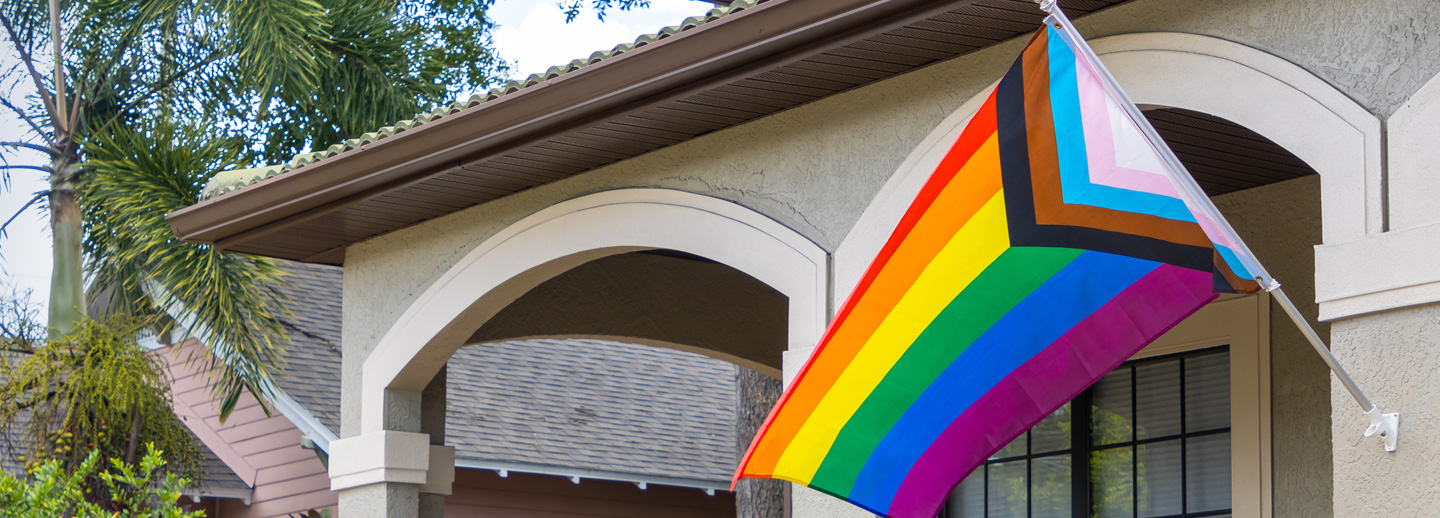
x=968, y=253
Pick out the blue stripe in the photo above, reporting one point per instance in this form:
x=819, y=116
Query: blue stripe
x=1070, y=148
x=1234, y=261
x=1078, y=290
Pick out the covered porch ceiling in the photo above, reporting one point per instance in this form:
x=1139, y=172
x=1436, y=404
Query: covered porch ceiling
x=721, y=72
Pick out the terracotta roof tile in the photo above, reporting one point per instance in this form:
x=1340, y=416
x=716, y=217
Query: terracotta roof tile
x=237, y=179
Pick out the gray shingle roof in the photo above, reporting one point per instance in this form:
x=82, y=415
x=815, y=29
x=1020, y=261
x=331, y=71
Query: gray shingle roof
x=594, y=404
x=218, y=476
x=587, y=404
x=312, y=376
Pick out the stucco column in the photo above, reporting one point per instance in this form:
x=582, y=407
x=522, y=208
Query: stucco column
x=441, y=472
x=806, y=502
x=379, y=473
x=397, y=472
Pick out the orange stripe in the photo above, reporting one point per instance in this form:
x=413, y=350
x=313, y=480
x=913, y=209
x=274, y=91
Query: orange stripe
x=958, y=200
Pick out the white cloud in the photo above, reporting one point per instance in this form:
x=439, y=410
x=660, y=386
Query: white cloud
x=537, y=38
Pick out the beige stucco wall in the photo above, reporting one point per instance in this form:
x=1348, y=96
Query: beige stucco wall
x=1281, y=223
x=1395, y=356
x=816, y=167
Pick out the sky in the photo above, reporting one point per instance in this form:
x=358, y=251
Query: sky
x=532, y=35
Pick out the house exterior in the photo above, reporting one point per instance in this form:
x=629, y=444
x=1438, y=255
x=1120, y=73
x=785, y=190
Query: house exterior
x=541, y=427
x=564, y=427
x=719, y=187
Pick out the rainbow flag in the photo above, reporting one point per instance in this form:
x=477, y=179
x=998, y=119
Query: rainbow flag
x=1049, y=246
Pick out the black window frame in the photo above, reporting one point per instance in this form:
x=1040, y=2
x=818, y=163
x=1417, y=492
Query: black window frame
x=1081, y=447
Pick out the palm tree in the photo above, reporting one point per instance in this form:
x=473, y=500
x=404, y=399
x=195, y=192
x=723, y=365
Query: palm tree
x=147, y=99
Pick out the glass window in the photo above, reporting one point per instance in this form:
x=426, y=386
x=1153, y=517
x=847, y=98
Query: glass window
x=1156, y=445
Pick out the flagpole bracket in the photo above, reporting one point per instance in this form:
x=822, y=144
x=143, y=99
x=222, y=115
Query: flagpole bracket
x=1387, y=425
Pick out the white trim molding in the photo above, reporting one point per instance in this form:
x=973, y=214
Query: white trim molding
x=243, y=495
x=300, y=417
x=440, y=476
x=1413, y=175
x=382, y=457
x=1243, y=323
x=1395, y=269
x=568, y=234
x=504, y=469
x=1378, y=273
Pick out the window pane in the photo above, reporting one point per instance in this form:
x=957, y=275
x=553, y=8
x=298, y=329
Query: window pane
x=1207, y=392
x=1110, y=483
x=1016, y=448
x=1207, y=472
x=1053, y=433
x=1050, y=487
x=1157, y=399
x=1007, y=489
x=1159, y=478
x=968, y=499
x=1110, y=409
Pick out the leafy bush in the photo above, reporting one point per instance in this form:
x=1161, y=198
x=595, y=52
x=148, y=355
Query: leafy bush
x=93, y=390
x=143, y=491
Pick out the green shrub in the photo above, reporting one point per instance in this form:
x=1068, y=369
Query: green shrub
x=143, y=491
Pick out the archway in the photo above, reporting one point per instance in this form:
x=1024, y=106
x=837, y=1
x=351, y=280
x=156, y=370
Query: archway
x=549, y=243
x=1195, y=83
x=1268, y=95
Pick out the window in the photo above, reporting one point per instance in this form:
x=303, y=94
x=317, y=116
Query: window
x=1156, y=445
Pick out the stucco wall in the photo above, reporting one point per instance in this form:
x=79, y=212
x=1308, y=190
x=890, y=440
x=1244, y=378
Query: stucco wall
x=815, y=167
x=1378, y=52
x=1281, y=223
x=1395, y=356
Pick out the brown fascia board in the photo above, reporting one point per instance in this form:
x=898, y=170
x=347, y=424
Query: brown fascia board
x=734, y=47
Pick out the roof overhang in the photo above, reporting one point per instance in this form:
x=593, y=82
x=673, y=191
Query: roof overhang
x=657, y=95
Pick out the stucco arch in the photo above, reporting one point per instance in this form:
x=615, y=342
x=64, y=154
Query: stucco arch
x=1273, y=97
x=568, y=234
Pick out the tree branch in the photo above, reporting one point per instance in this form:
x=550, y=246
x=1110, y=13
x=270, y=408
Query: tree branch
x=28, y=120
x=26, y=145
x=35, y=77
x=42, y=169
x=35, y=401
x=166, y=82
x=38, y=196
x=134, y=433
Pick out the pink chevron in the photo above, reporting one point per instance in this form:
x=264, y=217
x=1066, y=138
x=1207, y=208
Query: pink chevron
x=1097, y=110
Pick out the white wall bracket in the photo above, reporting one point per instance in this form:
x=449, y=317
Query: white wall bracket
x=1387, y=425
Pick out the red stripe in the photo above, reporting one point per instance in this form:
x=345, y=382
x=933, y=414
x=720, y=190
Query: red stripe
x=980, y=128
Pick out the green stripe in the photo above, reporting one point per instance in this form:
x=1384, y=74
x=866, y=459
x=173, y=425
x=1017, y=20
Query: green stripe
x=1017, y=272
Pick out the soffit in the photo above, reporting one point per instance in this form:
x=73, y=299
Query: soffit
x=813, y=49
x=1223, y=156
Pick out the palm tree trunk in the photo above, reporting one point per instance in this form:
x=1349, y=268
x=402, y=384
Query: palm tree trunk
x=755, y=498
x=67, y=298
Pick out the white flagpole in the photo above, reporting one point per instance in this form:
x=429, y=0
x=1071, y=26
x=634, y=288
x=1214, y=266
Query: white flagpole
x=1386, y=424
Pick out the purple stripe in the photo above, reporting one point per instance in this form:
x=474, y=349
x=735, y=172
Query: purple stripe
x=1088, y=351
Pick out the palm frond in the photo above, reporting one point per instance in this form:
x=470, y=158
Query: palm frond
x=133, y=179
